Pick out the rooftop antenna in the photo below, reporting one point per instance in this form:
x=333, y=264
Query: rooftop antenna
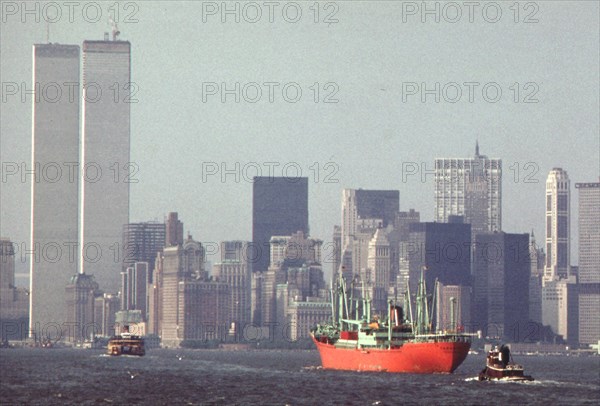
x=47, y=31
x=115, y=29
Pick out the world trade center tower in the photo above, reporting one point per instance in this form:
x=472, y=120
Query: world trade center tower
x=55, y=185
x=107, y=171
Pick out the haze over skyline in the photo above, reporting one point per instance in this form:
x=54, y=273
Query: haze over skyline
x=370, y=61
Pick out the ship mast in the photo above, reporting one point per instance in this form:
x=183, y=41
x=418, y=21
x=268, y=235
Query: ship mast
x=422, y=308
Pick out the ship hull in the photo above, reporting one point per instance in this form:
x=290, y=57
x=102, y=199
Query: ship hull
x=412, y=357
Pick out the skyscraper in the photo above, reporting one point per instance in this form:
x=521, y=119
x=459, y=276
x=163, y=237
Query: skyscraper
x=470, y=187
x=501, y=271
x=236, y=270
x=363, y=211
x=589, y=262
x=559, y=289
x=279, y=207
x=79, y=296
x=558, y=225
x=54, y=189
x=141, y=242
x=107, y=170
x=192, y=307
x=174, y=230
x=443, y=250
x=294, y=251
x=14, y=302
x=378, y=270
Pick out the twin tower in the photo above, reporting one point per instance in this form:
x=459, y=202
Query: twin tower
x=82, y=171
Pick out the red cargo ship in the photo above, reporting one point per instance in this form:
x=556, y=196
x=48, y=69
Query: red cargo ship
x=396, y=345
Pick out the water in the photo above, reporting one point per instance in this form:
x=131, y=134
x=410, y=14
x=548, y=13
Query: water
x=67, y=376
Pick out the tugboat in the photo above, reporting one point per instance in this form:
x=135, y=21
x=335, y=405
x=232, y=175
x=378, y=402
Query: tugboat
x=365, y=343
x=126, y=344
x=499, y=367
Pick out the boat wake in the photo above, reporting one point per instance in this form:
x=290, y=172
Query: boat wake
x=313, y=368
x=502, y=380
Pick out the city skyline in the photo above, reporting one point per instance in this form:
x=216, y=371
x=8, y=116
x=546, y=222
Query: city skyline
x=530, y=143
x=253, y=197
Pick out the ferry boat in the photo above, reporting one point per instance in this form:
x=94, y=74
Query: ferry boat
x=392, y=345
x=126, y=344
x=499, y=367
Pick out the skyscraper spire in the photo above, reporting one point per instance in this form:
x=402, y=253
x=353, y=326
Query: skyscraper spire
x=476, y=148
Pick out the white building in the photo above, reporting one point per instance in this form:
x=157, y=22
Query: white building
x=558, y=225
x=378, y=270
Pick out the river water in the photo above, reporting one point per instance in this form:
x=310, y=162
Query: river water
x=279, y=377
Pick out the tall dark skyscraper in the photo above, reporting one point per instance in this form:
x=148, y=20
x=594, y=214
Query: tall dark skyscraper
x=444, y=249
x=279, y=207
x=501, y=268
x=379, y=204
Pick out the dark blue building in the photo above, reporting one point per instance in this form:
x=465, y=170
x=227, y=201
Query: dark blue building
x=279, y=207
x=443, y=249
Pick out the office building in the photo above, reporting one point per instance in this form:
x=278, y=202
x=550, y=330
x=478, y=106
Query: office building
x=174, y=230
x=279, y=207
x=80, y=294
x=363, y=211
x=134, y=288
x=558, y=225
x=14, y=302
x=377, y=276
x=472, y=188
x=105, y=308
x=558, y=285
x=288, y=254
x=107, y=171
x=501, y=272
x=192, y=307
x=235, y=269
x=442, y=250
x=141, y=242
x=54, y=186
x=589, y=262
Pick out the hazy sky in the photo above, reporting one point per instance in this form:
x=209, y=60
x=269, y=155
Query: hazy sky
x=373, y=57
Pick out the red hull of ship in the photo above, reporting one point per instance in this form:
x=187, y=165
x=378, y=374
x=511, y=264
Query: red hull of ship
x=415, y=357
